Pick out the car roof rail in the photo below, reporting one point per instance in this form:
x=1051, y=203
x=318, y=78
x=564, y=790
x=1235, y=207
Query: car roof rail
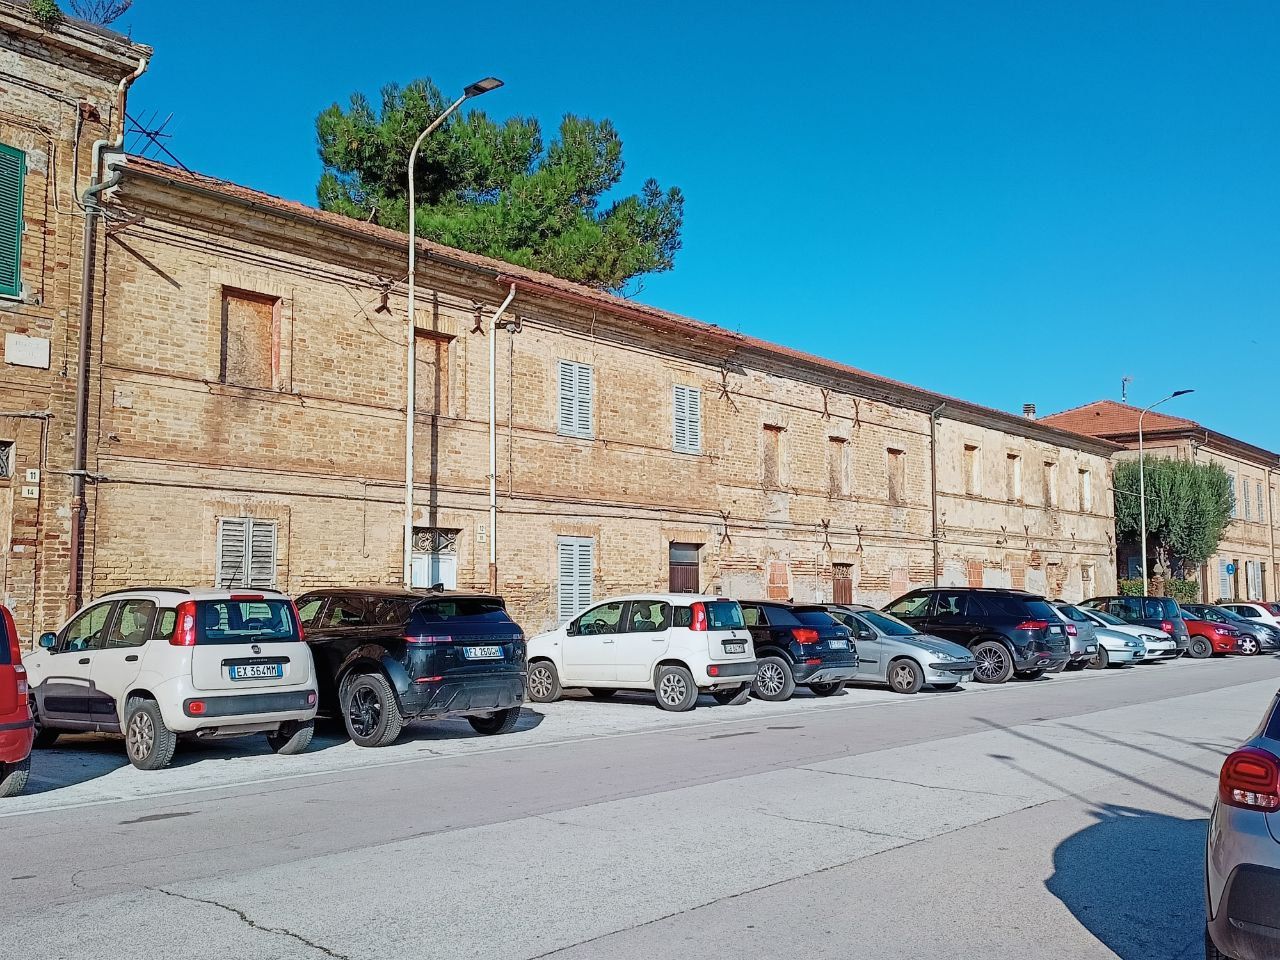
x=144, y=589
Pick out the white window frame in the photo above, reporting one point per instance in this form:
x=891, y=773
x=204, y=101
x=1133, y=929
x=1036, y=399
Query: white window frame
x=686, y=419
x=246, y=553
x=1014, y=479
x=575, y=399
x=973, y=481
x=1086, y=491
x=575, y=576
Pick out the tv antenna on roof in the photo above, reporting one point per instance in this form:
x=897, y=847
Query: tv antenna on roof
x=1124, y=388
x=148, y=138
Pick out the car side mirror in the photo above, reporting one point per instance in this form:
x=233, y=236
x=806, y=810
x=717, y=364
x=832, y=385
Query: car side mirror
x=571, y=630
x=48, y=640
x=866, y=635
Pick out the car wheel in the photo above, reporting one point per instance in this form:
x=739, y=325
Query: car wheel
x=500, y=721
x=292, y=737
x=675, y=689
x=149, y=743
x=1101, y=660
x=44, y=736
x=1026, y=676
x=994, y=663
x=945, y=686
x=827, y=689
x=602, y=693
x=905, y=676
x=774, y=680
x=13, y=777
x=733, y=696
x=1200, y=648
x=1248, y=646
x=370, y=711
x=543, y=682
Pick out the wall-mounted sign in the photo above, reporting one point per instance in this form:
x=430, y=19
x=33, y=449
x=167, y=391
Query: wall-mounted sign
x=31, y=493
x=23, y=351
x=1231, y=569
x=33, y=476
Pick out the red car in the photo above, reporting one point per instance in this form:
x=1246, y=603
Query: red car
x=16, y=728
x=1209, y=638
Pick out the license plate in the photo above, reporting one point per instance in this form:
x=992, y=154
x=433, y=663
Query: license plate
x=256, y=671
x=482, y=653
x=838, y=644
x=735, y=648
x=1090, y=649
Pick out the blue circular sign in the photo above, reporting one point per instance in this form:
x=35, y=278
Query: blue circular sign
x=1231, y=569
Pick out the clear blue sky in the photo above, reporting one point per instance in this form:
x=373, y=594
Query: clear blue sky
x=1003, y=201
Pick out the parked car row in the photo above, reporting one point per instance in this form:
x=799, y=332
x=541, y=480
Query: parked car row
x=160, y=664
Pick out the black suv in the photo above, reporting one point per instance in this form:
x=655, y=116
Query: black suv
x=1011, y=632
x=387, y=656
x=1159, y=613
x=798, y=644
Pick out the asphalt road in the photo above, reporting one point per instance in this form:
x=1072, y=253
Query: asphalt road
x=1063, y=818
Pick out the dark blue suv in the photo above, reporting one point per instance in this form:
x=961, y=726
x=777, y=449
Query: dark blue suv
x=387, y=656
x=798, y=645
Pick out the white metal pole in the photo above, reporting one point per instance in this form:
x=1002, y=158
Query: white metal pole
x=411, y=350
x=493, y=443
x=1142, y=500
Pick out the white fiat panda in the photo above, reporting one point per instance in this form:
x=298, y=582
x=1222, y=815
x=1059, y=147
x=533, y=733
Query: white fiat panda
x=675, y=644
x=157, y=663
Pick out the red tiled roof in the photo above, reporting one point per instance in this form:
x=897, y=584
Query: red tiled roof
x=505, y=273
x=1109, y=419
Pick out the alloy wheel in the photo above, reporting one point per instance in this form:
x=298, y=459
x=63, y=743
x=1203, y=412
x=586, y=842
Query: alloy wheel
x=540, y=682
x=672, y=689
x=365, y=710
x=990, y=664
x=902, y=677
x=1248, y=646
x=770, y=679
x=141, y=737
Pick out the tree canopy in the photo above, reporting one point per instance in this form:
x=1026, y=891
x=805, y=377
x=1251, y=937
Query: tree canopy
x=496, y=188
x=1188, y=507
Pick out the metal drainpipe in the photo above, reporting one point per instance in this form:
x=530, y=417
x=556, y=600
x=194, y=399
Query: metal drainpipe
x=1271, y=531
x=933, y=481
x=493, y=443
x=93, y=210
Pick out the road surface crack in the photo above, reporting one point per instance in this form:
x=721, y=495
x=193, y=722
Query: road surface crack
x=841, y=826
x=253, y=924
x=911, y=783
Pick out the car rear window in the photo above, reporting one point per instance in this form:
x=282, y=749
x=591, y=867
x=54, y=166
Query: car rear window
x=245, y=621
x=723, y=615
x=780, y=617
x=814, y=617
x=1071, y=613
x=467, y=609
x=1160, y=608
x=1011, y=606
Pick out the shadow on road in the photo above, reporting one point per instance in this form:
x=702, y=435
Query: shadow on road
x=1133, y=879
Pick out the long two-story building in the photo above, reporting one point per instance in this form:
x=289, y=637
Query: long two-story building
x=247, y=397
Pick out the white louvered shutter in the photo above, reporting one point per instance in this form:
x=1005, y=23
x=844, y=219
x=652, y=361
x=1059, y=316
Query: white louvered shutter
x=233, y=535
x=262, y=554
x=687, y=419
x=586, y=573
x=13, y=164
x=568, y=393
x=575, y=561
x=584, y=419
x=1224, y=581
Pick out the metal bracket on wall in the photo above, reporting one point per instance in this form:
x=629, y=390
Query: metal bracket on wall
x=725, y=392
x=478, y=312
x=826, y=403
x=858, y=531
x=725, y=538
x=826, y=534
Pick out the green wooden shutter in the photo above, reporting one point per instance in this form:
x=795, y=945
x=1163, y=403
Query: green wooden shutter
x=13, y=166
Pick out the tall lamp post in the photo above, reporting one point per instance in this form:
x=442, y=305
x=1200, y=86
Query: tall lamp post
x=1142, y=482
x=474, y=90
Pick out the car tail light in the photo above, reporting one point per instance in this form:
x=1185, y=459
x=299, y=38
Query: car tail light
x=804, y=635
x=246, y=597
x=1250, y=779
x=1033, y=625
x=424, y=640
x=1071, y=630
x=699, y=621
x=713, y=671
x=1166, y=626
x=814, y=661
x=195, y=707
x=428, y=680
x=20, y=672
x=184, y=630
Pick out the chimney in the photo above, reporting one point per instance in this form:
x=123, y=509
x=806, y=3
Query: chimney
x=1029, y=411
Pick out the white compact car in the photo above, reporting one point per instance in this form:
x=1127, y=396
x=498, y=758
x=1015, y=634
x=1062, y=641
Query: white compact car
x=1158, y=644
x=675, y=644
x=158, y=663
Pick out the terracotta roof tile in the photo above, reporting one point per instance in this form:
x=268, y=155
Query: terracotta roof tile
x=1109, y=419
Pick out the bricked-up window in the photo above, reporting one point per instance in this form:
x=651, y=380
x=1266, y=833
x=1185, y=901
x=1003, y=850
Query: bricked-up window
x=771, y=461
x=246, y=553
x=1050, y=484
x=686, y=415
x=1014, y=478
x=575, y=399
x=838, y=467
x=248, y=339
x=6, y=459
x=575, y=562
x=431, y=375
x=841, y=583
x=1235, y=498
x=897, y=468
x=1086, y=492
x=13, y=169
x=1248, y=505
x=1262, y=515
x=972, y=470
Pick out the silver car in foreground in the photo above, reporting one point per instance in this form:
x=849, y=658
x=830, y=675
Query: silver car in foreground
x=1242, y=857
x=890, y=651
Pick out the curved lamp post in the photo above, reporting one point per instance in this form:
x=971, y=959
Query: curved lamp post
x=1142, y=483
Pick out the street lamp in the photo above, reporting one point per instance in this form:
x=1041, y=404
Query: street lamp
x=1142, y=482
x=472, y=90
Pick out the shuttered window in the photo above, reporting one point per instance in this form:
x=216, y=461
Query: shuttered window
x=1224, y=581
x=13, y=168
x=1262, y=515
x=575, y=395
x=246, y=553
x=686, y=404
x=575, y=561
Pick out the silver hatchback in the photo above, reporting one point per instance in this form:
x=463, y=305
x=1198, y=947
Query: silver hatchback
x=892, y=652
x=1242, y=858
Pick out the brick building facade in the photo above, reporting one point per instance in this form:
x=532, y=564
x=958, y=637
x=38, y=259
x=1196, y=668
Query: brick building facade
x=247, y=399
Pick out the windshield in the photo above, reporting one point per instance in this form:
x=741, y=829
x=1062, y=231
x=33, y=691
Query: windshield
x=1222, y=614
x=886, y=624
x=1108, y=618
x=1072, y=613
